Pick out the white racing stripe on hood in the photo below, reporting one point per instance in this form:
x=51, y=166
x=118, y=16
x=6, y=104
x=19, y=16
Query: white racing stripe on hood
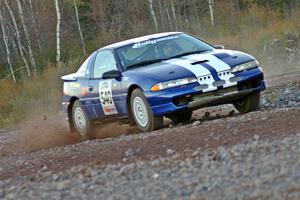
x=197, y=70
x=217, y=64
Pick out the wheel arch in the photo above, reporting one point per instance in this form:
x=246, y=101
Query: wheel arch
x=70, y=107
x=129, y=112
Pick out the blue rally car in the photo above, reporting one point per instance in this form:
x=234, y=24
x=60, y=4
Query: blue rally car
x=166, y=74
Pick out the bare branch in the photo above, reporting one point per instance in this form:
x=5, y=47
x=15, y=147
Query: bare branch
x=7, y=47
x=18, y=38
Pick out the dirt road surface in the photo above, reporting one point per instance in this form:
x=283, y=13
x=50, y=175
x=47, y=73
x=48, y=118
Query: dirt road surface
x=219, y=154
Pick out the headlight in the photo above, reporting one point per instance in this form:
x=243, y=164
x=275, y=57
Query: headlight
x=245, y=66
x=173, y=83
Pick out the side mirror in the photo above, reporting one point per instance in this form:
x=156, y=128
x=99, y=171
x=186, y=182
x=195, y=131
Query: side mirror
x=111, y=74
x=218, y=46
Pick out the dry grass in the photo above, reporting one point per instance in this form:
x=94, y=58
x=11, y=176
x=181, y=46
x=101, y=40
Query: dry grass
x=37, y=96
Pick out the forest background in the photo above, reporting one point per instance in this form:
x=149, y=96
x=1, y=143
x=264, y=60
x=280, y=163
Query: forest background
x=40, y=40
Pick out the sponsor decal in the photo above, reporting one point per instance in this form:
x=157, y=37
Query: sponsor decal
x=153, y=41
x=84, y=91
x=71, y=89
x=75, y=85
x=106, y=98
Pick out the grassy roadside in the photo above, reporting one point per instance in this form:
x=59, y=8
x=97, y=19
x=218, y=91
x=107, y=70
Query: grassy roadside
x=39, y=95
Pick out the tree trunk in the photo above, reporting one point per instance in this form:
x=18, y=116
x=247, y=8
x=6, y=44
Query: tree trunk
x=232, y=13
x=236, y=4
x=7, y=47
x=174, y=14
x=211, y=10
x=34, y=24
x=18, y=39
x=197, y=14
x=32, y=60
x=185, y=13
x=168, y=15
x=79, y=28
x=58, y=15
x=15, y=48
x=153, y=14
x=161, y=15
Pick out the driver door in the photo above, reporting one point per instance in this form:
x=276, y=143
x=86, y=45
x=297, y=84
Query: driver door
x=106, y=93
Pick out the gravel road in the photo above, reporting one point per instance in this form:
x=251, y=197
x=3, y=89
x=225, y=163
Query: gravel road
x=219, y=155
x=258, y=169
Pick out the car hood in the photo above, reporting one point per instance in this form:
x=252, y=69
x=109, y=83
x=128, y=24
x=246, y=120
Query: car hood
x=232, y=58
x=209, y=63
x=160, y=71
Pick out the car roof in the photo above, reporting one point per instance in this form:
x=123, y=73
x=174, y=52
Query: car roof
x=139, y=39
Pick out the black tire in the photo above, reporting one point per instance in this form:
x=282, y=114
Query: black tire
x=180, y=117
x=249, y=103
x=145, y=120
x=82, y=126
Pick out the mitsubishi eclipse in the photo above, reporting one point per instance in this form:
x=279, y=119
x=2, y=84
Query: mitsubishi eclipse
x=168, y=75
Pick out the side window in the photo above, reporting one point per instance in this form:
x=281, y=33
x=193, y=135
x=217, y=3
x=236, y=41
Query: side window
x=104, y=62
x=83, y=68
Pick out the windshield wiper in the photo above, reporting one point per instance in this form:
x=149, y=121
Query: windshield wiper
x=143, y=63
x=186, y=53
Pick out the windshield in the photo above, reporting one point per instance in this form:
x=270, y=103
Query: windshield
x=158, y=49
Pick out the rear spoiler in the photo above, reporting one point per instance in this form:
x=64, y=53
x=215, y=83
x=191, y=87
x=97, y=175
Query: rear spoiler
x=70, y=77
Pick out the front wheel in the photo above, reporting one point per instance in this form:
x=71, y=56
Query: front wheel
x=142, y=112
x=82, y=126
x=248, y=104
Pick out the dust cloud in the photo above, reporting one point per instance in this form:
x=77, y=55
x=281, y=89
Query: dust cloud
x=113, y=129
x=36, y=134
x=47, y=132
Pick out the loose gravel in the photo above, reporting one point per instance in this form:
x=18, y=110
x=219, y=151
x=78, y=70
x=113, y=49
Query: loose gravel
x=258, y=169
x=282, y=96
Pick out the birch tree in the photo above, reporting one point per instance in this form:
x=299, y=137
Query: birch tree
x=32, y=60
x=153, y=14
x=211, y=11
x=4, y=35
x=18, y=37
x=58, y=15
x=34, y=24
x=174, y=14
x=161, y=16
x=168, y=14
x=197, y=13
x=79, y=28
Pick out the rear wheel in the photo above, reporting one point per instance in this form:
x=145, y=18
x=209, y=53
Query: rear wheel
x=248, y=104
x=82, y=126
x=142, y=112
x=181, y=117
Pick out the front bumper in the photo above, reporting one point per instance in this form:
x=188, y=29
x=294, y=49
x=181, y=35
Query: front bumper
x=220, y=97
x=188, y=98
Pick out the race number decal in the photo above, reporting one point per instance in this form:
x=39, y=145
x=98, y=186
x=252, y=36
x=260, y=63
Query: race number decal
x=106, y=98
